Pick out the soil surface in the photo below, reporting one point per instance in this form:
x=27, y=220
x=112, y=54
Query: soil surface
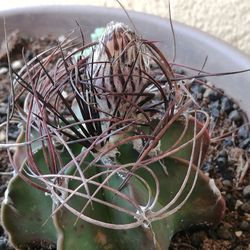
x=227, y=161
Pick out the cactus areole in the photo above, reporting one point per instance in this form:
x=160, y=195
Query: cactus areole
x=109, y=154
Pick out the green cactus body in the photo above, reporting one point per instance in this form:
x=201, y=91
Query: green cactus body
x=29, y=216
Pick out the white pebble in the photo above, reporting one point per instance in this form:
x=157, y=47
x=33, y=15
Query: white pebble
x=3, y=70
x=238, y=204
x=2, y=136
x=238, y=233
x=17, y=64
x=246, y=191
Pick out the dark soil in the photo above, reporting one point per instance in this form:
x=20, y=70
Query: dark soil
x=227, y=161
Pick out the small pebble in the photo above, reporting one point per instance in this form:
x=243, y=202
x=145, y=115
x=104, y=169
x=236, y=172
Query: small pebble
x=215, y=104
x=3, y=243
x=197, y=238
x=228, y=142
x=215, y=112
x=247, y=217
x=207, y=166
x=223, y=232
x=16, y=64
x=226, y=104
x=227, y=183
x=235, y=116
x=240, y=247
x=223, y=153
x=243, y=132
x=3, y=108
x=228, y=174
x=197, y=89
x=210, y=94
x=246, y=191
x=246, y=207
x=245, y=144
x=238, y=204
x=230, y=201
x=222, y=162
x=3, y=70
x=244, y=226
x=13, y=132
x=235, y=106
x=238, y=233
x=2, y=135
x=178, y=71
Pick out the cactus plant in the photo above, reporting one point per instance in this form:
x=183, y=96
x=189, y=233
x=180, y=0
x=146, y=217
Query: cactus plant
x=109, y=156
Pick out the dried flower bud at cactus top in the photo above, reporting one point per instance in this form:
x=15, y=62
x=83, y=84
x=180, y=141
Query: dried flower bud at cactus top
x=119, y=70
x=117, y=65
